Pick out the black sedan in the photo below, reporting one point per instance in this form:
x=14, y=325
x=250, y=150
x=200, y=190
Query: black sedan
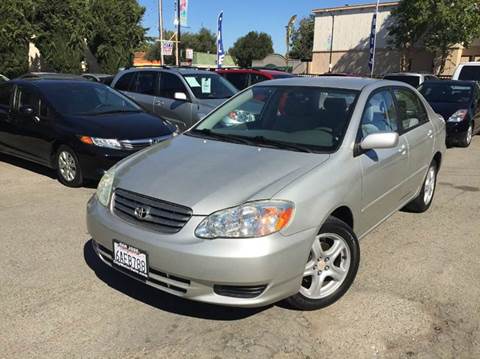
x=78, y=127
x=459, y=104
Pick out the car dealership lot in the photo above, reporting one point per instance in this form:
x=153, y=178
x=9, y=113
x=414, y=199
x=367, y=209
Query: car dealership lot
x=416, y=294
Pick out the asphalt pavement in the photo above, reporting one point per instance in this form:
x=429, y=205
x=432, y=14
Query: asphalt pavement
x=417, y=293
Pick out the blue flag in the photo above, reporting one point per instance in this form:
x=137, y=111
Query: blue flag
x=373, y=39
x=220, y=51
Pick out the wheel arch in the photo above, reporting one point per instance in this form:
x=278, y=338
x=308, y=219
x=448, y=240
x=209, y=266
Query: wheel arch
x=438, y=159
x=344, y=214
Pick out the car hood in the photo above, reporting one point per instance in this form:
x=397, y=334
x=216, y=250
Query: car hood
x=122, y=126
x=448, y=109
x=208, y=175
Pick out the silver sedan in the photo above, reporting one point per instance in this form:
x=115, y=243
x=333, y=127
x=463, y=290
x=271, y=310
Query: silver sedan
x=250, y=212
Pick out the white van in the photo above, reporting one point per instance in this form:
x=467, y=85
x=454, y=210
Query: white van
x=467, y=71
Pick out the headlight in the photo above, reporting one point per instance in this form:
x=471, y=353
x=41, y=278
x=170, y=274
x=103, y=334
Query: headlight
x=101, y=142
x=458, y=116
x=254, y=219
x=104, y=189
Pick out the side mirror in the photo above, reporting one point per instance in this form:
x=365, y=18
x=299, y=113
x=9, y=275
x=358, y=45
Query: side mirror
x=181, y=96
x=26, y=110
x=380, y=140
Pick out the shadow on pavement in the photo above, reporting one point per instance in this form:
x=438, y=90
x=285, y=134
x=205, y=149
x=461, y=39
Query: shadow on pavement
x=158, y=299
x=39, y=169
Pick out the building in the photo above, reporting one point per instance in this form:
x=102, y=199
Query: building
x=341, y=43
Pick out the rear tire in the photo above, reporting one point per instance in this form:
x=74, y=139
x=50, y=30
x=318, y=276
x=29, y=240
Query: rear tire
x=69, y=172
x=422, y=202
x=331, y=267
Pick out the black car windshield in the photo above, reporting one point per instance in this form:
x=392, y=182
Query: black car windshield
x=306, y=119
x=86, y=98
x=446, y=93
x=210, y=86
x=411, y=80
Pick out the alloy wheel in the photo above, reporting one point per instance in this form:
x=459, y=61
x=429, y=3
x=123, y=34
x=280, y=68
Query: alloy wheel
x=67, y=166
x=327, y=266
x=469, y=134
x=429, y=186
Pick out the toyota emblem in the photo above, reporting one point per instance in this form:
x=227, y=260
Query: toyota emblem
x=142, y=212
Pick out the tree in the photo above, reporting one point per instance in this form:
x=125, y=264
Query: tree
x=253, y=46
x=60, y=32
x=202, y=41
x=15, y=34
x=114, y=32
x=438, y=25
x=302, y=39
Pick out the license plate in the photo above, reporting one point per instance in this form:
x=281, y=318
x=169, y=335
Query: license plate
x=130, y=258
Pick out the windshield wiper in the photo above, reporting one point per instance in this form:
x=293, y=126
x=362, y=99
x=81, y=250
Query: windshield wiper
x=281, y=144
x=223, y=137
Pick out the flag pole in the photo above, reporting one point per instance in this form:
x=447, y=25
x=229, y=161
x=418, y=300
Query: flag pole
x=374, y=40
x=160, y=29
x=177, y=53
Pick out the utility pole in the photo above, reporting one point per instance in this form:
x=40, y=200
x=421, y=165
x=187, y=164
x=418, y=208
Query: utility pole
x=160, y=29
x=178, y=34
x=330, y=66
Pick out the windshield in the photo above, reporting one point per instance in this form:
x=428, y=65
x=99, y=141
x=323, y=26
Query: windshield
x=411, y=80
x=470, y=73
x=447, y=93
x=86, y=98
x=210, y=86
x=310, y=118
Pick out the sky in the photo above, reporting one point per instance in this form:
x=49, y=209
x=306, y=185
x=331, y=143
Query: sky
x=239, y=16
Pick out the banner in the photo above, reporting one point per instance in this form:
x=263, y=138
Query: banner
x=220, y=50
x=183, y=13
x=167, y=48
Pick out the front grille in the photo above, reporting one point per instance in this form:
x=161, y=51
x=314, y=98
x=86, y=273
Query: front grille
x=156, y=278
x=239, y=291
x=156, y=214
x=142, y=143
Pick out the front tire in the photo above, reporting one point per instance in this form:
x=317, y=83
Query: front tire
x=467, y=138
x=422, y=202
x=331, y=267
x=69, y=172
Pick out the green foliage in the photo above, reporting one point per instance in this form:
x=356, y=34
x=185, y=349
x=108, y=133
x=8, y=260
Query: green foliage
x=302, y=39
x=202, y=41
x=15, y=34
x=60, y=28
x=114, y=32
x=436, y=24
x=253, y=46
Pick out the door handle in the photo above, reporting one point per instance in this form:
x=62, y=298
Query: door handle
x=159, y=102
x=430, y=133
x=402, y=150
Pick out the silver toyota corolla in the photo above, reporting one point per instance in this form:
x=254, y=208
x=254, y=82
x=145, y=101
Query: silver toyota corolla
x=266, y=198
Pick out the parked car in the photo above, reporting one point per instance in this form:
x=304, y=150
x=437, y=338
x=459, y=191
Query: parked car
x=180, y=95
x=50, y=76
x=459, y=104
x=243, y=78
x=412, y=78
x=272, y=208
x=80, y=128
x=3, y=78
x=467, y=71
x=105, y=79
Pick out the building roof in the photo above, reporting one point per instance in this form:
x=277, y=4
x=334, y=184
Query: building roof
x=355, y=7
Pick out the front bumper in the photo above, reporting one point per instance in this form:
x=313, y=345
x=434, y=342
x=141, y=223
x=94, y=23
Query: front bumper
x=186, y=266
x=95, y=161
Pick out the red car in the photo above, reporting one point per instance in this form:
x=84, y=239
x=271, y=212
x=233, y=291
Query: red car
x=242, y=78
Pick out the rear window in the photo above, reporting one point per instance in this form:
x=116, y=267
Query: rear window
x=470, y=73
x=446, y=93
x=411, y=80
x=123, y=84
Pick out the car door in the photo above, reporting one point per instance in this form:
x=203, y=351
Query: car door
x=416, y=127
x=7, y=124
x=144, y=89
x=35, y=128
x=384, y=171
x=166, y=106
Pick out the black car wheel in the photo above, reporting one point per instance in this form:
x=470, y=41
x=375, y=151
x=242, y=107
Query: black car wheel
x=467, y=137
x=331, y=267
x=69, y=171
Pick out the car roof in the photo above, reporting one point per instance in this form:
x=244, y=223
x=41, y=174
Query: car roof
x=50, y=75
x=408, y=74
x=340, y=82
x=181, y=70
x=41, y=82
x=470, y=63
x=256, y=70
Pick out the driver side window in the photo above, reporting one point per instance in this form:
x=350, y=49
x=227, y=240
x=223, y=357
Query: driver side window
x=379, y=115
